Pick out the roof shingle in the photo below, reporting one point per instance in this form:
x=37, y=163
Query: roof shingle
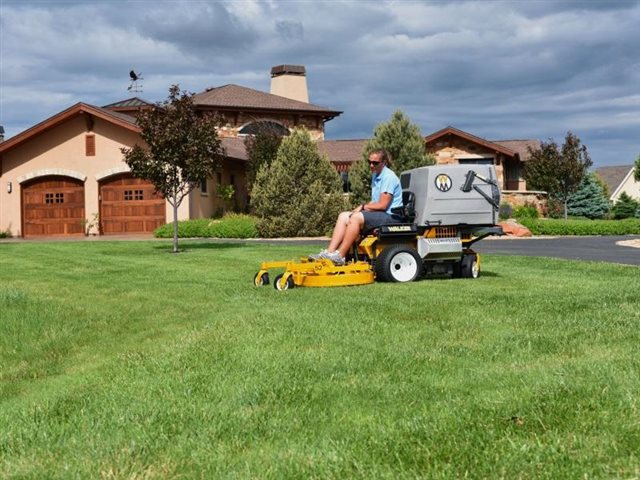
x=235, y=96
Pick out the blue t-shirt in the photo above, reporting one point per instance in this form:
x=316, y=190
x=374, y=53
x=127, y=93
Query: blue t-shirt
x=386, y=182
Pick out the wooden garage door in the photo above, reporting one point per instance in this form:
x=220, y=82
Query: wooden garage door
x=53, y=206
x=129, y=205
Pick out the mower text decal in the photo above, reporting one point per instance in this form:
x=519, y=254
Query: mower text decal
x=400, y=228
x=443, y=182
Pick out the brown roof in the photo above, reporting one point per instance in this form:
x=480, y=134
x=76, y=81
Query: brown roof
x=235, y=96
x=613, y=176
x=519, y=146
x=120, y=119
x=134, y=102
x=472, y=138
x=342, y=150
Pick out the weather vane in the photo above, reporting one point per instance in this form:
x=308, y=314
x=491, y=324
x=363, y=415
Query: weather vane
x=135, y=78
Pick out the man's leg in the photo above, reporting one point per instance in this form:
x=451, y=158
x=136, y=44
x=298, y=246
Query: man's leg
x=352, y=231
x=339, y=231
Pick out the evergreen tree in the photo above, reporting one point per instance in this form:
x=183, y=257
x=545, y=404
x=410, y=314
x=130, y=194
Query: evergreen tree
x=558, y=171
x=625, y=207
x=636, y=170
x=262, y=149
x=300, y=193
x=404, y=142
x=589, y=200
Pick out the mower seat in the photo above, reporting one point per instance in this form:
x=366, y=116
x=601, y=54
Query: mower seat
x=407, y=212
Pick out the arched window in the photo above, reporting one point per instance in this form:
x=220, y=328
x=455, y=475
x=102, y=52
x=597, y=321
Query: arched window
x=261, y=126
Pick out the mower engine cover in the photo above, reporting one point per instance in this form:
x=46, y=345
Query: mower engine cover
x=454, y=194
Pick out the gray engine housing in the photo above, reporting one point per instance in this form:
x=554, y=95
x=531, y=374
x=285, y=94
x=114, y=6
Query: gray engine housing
x=442, y=199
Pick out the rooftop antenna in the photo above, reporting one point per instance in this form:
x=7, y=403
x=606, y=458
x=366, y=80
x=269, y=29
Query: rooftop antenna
x=135, y=86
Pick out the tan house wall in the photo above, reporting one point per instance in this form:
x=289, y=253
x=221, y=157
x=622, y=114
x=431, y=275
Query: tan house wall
x=628, y=185
x=209, y=204
x=61, y=151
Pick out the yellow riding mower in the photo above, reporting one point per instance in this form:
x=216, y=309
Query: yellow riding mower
x=446, y=209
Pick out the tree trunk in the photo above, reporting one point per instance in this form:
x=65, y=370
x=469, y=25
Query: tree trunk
x=175, y=228
x=566, y=216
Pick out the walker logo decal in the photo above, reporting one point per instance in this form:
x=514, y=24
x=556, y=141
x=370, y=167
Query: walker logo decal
x=443, y=182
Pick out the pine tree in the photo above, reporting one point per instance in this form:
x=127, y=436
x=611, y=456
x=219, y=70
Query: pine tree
x=300, y=193
x=590, y=200
x=636, y=170
x=404, y=142
x=625, y=207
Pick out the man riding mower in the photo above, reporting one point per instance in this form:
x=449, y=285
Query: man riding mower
x=446, y=209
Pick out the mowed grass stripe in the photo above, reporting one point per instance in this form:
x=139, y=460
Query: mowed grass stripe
x=123, y=360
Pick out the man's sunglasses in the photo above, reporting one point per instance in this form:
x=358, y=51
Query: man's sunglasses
x=374, y=163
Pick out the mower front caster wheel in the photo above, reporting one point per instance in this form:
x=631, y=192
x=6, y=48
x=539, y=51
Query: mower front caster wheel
x=261, y=279
x=279, y=285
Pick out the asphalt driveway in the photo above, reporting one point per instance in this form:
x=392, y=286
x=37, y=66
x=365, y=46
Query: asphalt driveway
x=598, y=249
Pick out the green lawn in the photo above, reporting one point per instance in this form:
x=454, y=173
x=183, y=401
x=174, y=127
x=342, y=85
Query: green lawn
x=121, y=360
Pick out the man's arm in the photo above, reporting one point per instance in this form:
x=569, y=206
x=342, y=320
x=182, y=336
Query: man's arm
x=381, y=205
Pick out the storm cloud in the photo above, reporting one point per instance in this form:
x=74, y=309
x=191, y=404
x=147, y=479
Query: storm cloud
x=497, y=69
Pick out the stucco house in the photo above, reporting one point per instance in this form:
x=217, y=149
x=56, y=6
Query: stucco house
x=619, y=179
x=66, y=175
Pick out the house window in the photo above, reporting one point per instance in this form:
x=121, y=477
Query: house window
x=90, y=145
x=51, y=198
x=232, y=180
x=203, y=187
x=265, y=127
x=475, y=161
x=346, y=186
x=218, y=178
x=133, y=195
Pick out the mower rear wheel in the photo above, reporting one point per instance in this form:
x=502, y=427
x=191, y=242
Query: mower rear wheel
x=286, y=285
x=470, y=267
x=261, y=280
x=399, y=263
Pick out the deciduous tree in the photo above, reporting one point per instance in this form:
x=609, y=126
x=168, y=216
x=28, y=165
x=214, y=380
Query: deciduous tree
x=262, y=149
x=404, y=142
x=558, y=171
x=181, y=149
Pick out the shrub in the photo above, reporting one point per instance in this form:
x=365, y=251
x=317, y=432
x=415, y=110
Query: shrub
x=300, y=193
x=5, y=234
x=625, y=207
x=582, y=227
x=232, y=225
x=525, y=211
x=506, y=211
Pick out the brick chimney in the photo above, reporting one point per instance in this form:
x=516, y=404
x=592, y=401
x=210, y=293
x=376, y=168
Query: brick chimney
x=290, y=81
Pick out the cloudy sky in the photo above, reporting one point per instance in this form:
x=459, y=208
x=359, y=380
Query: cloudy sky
x=496, y=69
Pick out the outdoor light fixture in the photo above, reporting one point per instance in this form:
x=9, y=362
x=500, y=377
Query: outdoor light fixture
x=9, y=187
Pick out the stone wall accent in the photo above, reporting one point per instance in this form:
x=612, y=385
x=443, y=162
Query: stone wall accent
x=531, y=197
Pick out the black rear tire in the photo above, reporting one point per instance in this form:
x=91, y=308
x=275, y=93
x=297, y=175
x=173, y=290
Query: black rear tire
x=469, y=267
x=399, y=263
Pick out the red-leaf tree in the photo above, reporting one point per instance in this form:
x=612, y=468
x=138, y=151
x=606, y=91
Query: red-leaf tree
x=181, y=149
x=558, y=171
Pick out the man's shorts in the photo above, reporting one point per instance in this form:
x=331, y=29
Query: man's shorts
x=375, y=219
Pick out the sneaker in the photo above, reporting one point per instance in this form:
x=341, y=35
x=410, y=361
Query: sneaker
x=317, y=256
x=335, y=258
